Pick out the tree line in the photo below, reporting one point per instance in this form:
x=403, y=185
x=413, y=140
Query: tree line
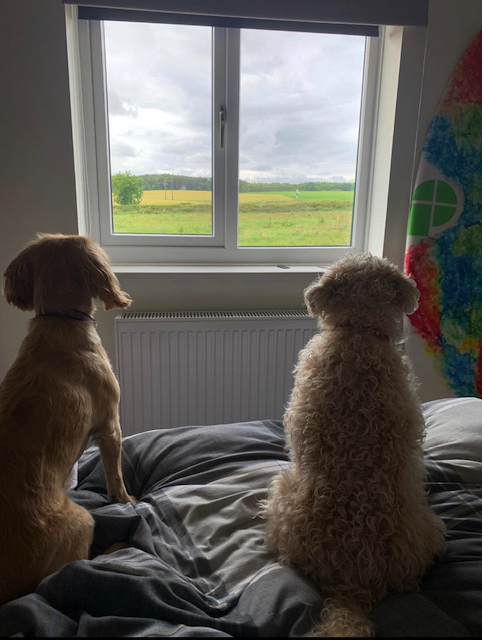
x=161, y=181
x=128, y=188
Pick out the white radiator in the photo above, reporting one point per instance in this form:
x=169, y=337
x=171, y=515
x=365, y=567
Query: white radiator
x=195, y=368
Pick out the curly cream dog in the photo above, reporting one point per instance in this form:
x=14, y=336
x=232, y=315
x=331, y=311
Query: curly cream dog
x=351, y=510
x=59, y=393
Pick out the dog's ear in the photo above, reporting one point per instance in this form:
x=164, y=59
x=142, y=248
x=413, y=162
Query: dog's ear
x=102, y=282
x=316, y=297
x=407, y=294
x=18, y=287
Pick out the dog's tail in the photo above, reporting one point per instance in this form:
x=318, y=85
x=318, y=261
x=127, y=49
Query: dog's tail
x=344, y=617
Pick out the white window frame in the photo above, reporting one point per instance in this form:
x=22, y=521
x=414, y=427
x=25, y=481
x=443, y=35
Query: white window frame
x=93, y=176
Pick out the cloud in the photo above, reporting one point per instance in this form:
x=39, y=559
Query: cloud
x=118, y=106
x=299, y=112
x=123, y=149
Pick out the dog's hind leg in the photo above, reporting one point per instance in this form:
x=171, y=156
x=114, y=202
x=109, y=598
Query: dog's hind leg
x=343, y=617
x=64, y=537
x=70, y=539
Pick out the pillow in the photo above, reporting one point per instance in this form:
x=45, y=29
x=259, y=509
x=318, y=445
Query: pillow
x=454, y=434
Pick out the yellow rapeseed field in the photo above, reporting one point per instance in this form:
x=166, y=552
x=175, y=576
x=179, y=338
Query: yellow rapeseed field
x=185, y=195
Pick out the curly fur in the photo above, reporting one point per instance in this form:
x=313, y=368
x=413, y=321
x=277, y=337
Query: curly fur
x=351, y=510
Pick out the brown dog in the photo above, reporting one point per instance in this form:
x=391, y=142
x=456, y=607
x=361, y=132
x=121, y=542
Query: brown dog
x=59, y=393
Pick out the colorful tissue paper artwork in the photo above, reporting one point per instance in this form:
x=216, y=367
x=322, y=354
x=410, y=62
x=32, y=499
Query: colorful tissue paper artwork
x=444, y=244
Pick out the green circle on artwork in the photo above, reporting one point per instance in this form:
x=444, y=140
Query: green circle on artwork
x=434, y=203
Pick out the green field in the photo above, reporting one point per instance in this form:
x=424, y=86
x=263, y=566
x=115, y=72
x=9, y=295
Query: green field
x=278, y=218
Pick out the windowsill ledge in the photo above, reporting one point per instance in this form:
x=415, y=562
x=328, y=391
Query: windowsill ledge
x=152, y=270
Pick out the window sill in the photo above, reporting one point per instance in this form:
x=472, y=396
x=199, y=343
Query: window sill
x=219, y=271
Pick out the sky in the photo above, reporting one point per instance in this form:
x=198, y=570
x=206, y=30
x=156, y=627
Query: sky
x=299, y=109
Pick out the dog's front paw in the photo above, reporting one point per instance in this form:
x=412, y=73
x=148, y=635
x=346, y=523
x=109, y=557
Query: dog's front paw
x=124, y=499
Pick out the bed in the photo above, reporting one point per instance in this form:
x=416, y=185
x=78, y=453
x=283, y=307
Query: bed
x=194, y=563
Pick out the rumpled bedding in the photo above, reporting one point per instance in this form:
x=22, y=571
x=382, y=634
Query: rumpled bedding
x=193, y=562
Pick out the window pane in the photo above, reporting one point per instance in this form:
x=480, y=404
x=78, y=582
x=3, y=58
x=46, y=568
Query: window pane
x=159, y=85
x=300, y=101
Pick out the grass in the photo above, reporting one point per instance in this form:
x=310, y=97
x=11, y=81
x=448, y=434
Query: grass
x=316, y=218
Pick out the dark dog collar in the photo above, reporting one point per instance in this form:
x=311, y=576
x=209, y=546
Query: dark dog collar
x=374, y=332
x=72, y=314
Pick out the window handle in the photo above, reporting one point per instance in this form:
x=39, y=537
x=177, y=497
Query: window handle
x=221, y=121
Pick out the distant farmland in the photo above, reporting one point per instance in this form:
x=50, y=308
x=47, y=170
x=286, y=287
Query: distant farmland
x=276, y=218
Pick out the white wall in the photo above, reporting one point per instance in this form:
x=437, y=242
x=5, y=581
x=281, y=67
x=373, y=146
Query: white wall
x=37, y=174
x=37, y=171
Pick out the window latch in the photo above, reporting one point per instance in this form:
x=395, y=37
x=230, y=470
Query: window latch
x=221, y=121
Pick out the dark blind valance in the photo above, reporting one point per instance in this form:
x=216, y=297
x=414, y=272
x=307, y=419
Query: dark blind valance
x=352, y=17
x=91, y=13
